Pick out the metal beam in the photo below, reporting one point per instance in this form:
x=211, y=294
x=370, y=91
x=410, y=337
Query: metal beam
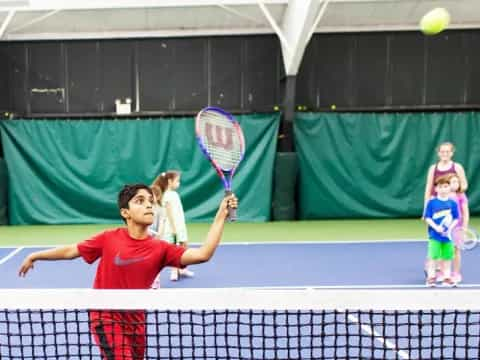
x=135, y=34
x=35, y=20
x=123, y=4
x=7, y=21
x=240, y=14
x=285, y=43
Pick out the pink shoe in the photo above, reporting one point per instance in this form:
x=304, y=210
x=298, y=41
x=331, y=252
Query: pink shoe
x=440, y=276
x=448, y=282
x=457, y=278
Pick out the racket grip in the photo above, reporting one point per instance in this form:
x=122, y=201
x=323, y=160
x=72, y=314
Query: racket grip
x=232, y=212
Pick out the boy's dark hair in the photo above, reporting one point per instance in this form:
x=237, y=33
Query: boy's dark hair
x=128, y=192
x=444, y=179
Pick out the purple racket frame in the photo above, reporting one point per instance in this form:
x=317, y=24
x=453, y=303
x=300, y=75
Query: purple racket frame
x=225, y=175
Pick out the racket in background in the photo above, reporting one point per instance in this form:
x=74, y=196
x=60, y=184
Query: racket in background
x=220, y=138
x=464, y=237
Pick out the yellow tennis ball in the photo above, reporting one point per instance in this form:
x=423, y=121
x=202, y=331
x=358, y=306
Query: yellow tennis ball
x=435, y=21
x=276, y=108
x=333, y=107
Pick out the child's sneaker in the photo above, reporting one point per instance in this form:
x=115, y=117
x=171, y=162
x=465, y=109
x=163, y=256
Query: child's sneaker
x=174, y=275
x=431, y=282
x=448, y=282
x=440, y=276
x=457, y=278
x=186, y=273
x=156, y=285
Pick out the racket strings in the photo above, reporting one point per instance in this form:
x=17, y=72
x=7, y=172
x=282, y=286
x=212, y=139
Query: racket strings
x=227, y=158
x=465, y=238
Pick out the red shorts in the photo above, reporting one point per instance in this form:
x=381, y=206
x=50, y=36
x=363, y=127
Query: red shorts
x=118, y=337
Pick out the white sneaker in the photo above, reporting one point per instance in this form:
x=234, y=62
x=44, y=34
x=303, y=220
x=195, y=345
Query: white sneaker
x=174, y=275
x=440, y=276
x=186, y=273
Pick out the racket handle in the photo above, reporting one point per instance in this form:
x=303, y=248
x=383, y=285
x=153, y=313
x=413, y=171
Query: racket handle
x=232, y=212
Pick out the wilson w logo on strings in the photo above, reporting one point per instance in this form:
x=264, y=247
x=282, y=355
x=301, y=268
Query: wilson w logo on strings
x=219, y=136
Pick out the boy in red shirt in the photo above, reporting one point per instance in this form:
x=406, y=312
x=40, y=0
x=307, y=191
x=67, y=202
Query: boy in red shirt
x=130, y=259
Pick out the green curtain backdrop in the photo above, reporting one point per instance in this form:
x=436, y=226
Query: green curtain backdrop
x=360, y=165
x=3, y=192
x=70, y=171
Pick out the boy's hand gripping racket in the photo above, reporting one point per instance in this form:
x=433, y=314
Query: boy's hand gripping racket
x=221, y=140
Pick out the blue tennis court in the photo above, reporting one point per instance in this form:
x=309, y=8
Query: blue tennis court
x=386, y=264
x=234, y=334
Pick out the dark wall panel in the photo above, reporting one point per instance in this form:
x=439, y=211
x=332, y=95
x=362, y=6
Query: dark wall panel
x=407, y=75
x=83, y=76
x=403, y=70
x=191, y=74
x=446, y=71
x=46, y=78
x=5, y=93
x=156, y=74
x=18, y=81
x=334, y=67
x=307, y=79
x=473, y=64
x=226, y=73
x=166, y=75
x=261, y=73
x=370, y=70
x=116, y=76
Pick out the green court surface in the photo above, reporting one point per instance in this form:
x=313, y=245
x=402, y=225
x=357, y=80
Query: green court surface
x=322, y=230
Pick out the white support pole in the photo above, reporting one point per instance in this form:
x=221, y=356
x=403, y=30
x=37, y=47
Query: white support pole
x=275, y=27
x=297, y=22
x=317, y=20
x=6, y=22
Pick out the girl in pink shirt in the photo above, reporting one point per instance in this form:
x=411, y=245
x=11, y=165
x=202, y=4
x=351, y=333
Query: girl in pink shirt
x=459, y=196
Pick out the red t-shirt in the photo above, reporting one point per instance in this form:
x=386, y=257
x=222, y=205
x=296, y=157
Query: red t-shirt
x=125, y=262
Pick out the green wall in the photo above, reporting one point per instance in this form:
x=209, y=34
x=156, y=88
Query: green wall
x=360, y=165
x=70, y=171
x=3, y=192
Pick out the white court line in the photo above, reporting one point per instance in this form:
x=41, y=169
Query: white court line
x=386, y=286
x=372, y=332
x=319, y=242
x=9, y=256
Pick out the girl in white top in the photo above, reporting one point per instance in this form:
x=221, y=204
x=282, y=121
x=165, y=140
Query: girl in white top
x=175, y=229
x=158, y=226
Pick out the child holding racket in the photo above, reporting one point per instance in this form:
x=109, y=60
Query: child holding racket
x=444, y=166
x=458, y=194
x=130, y=259
x=441, y=214
x=175, y=230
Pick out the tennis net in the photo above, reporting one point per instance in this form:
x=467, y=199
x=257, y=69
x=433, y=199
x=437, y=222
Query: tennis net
x=247, y=323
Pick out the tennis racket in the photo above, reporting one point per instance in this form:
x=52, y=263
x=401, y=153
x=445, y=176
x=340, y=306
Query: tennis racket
x=464, y=237
x=221, y=140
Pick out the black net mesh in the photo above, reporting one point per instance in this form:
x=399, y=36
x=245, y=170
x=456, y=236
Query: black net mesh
x=240, y=334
